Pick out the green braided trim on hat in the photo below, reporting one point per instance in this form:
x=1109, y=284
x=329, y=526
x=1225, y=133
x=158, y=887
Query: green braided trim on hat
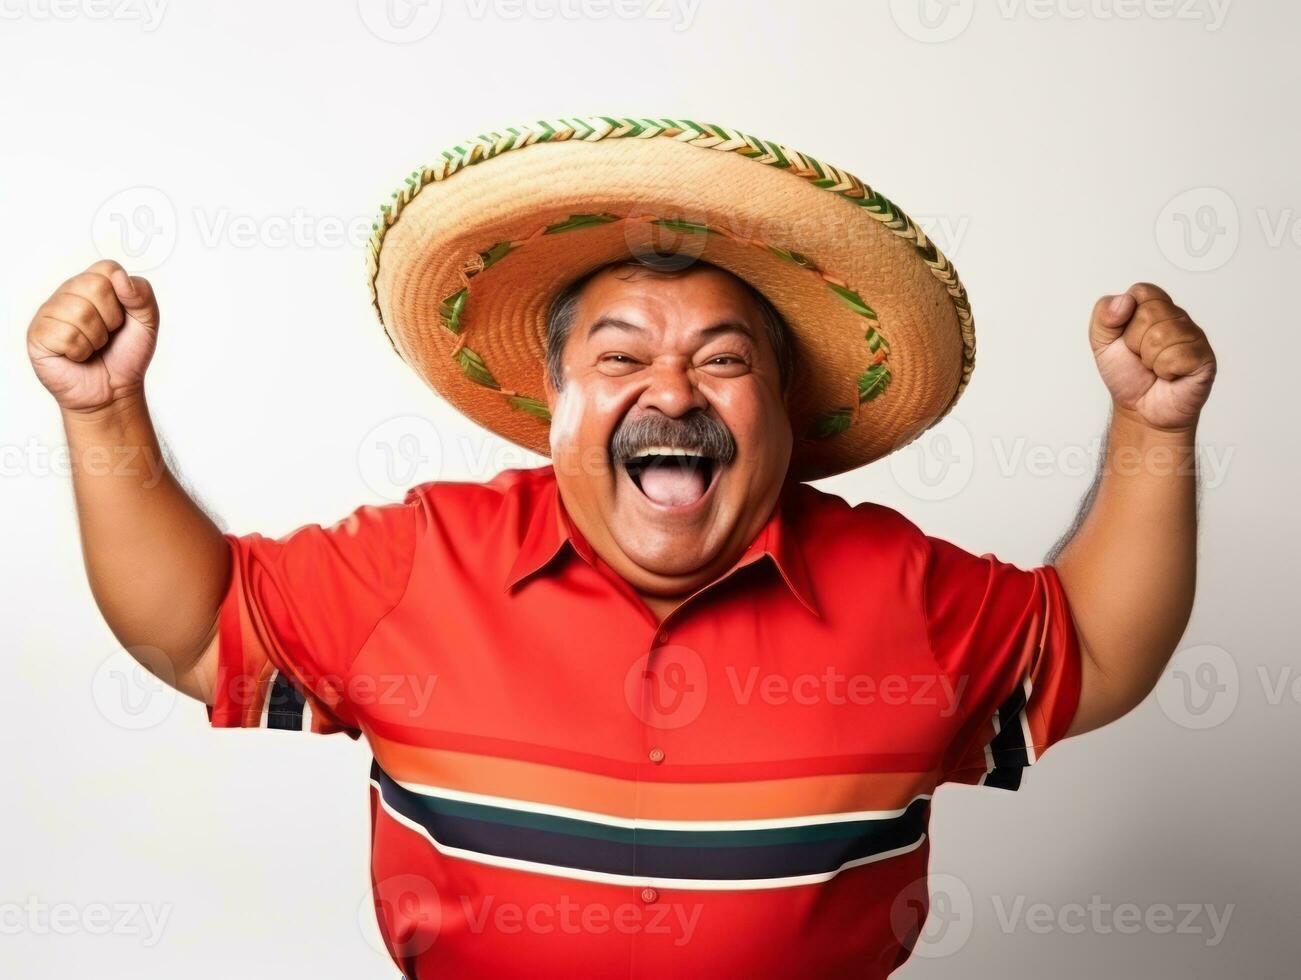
x=711, y=136
x=871, y=383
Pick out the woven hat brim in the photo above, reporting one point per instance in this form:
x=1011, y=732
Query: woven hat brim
x=467, y=261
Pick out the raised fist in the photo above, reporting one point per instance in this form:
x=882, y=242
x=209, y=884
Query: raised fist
x=91, y=342
x=1155, y=361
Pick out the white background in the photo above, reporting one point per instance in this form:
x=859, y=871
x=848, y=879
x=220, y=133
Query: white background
x=1056, y=151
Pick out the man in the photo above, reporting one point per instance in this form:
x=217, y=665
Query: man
x=659, y=706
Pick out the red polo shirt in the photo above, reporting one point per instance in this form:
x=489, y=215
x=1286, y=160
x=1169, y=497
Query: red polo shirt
x=564, y=786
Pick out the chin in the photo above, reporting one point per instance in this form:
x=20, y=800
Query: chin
x=673, y=558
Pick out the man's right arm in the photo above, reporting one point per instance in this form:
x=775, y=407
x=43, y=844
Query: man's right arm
x=157, y=565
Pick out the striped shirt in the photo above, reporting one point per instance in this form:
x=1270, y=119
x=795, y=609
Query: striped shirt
x=565, y=786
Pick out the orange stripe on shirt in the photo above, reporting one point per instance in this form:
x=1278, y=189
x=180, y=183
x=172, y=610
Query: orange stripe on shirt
x=555, y=786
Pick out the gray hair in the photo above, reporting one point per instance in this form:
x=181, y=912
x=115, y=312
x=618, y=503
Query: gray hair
x=560, y=318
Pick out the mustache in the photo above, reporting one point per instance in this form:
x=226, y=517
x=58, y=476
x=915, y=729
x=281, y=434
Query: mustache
x=695, y=431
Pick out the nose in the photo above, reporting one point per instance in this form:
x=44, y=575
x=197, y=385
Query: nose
x=671, y=389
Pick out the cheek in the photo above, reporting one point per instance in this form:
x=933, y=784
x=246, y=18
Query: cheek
x=748, y=410
x=583, y=417
x=566, y=418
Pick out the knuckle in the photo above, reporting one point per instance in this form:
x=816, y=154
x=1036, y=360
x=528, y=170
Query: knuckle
x=100, y=291
x=1149, y=290
x=75, y=307
x=100, y=284
x=1154, y=312
x=104, y=296
x=70, y=340
x=1158, y=335
x=1181, y=334
x=84, y=285
x=104, y=267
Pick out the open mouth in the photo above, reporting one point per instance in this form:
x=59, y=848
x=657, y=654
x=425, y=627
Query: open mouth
x=672, y=477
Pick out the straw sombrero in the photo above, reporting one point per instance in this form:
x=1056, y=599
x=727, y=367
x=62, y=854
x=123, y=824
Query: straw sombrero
x=465, y=262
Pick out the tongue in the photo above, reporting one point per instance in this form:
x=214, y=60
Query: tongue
x=672, y=485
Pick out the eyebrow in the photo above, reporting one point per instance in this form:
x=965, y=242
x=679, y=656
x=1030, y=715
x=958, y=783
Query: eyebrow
x=728, y=326
x=612, y=323
x=725, y=326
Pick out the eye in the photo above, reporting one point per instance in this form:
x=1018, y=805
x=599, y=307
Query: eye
x=616, y=363
x=725, y=364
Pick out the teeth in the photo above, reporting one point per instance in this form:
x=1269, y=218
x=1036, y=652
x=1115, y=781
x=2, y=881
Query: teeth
x=667, y=451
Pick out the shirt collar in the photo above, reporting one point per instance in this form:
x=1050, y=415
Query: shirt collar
x=550, y=529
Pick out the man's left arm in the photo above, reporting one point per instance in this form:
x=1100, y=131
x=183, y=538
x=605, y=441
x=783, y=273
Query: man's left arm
x=1129, y=568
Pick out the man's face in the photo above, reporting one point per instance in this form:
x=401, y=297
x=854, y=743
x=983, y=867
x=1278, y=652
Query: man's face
x=670, y=436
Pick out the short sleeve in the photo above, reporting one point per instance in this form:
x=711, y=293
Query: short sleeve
x=298, y=610
x=1005, y=637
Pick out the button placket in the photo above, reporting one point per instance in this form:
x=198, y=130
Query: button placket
x=653, y=753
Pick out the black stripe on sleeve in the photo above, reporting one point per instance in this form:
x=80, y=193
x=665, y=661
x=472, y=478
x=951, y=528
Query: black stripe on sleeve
x=285, y=705
x=1008, y=746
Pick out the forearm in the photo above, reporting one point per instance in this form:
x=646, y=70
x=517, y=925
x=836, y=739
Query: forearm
x=157, y=564
x=1129, y=570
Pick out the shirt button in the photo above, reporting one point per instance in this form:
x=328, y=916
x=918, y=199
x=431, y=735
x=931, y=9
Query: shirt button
x=657, y=756
x=649, y=895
